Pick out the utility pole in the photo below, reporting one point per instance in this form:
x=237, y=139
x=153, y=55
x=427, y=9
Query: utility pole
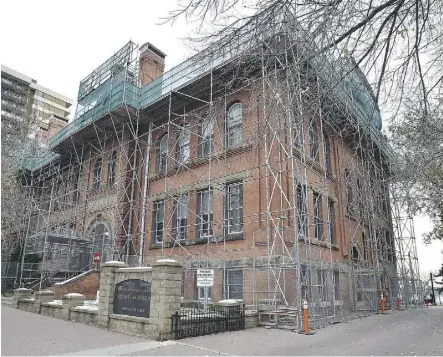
x=433, y=292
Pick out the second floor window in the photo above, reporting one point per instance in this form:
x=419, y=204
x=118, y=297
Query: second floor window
x=181, y=217
x=183, y=145
x=359, y=197
x=111, y=168
x=162, y=153
x=234, y=207
x=97, y=174
x=234, y=125
x=206, y=141
x=318, y=216
x=327, y=150
x=159, y=221
x=313, y=142
x=205, y=213
x=302, y=210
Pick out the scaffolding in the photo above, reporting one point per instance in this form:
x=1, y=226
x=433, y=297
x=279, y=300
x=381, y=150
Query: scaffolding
x=258, y=158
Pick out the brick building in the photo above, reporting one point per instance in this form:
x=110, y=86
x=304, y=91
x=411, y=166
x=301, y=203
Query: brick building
x=266, y=171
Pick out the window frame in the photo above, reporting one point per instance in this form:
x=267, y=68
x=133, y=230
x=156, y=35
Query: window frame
x=302, y=207
x=327, y=152
x=156, y=222
x=210, y=213
x=331, y=220
x=112, y=164
x=162, y=153
x=318, y=215
x=230, y=282
x=183, y=147
x=314, y=150
x=180, y=230
x=349, y=193
x=234, y=126
x=97, y=173
x=228, y=209
x=206, y=146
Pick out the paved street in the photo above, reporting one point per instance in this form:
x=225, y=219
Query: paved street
x=414, y=332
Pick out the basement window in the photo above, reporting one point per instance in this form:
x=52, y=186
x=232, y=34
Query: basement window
x=234, y=284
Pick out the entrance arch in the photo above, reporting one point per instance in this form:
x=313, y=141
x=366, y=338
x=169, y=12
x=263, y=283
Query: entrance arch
x=102, y=241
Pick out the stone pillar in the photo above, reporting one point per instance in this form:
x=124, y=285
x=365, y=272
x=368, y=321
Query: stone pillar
x=41, y=297
x=165, y=297
x=71, y=300
x=21, y=293
x=106, y=296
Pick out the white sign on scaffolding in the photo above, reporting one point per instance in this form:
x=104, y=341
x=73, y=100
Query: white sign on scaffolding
x=205, y=277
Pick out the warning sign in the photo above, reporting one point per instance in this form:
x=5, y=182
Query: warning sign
x=205, y=277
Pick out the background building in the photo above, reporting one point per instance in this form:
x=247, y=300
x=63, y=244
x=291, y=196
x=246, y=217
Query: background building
x=29, y=106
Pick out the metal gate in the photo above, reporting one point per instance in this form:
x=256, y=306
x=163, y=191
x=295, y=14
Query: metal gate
x=196, y=322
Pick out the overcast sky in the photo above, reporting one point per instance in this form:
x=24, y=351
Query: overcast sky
x=58, y=43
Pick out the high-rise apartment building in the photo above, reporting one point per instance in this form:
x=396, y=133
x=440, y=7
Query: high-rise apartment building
x=31, y=108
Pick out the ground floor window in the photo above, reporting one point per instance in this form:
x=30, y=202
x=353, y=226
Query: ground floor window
x=234, y=284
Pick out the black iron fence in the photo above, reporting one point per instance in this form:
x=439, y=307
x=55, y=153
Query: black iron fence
x=196, y=322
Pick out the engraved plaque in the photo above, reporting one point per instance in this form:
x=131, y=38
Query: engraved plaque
x=132, y=297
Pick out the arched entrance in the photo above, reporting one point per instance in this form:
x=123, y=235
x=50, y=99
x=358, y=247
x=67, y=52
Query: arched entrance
x=100, y=235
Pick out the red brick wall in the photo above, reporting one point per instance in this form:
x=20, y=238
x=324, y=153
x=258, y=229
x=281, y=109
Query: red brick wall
x=86, y=285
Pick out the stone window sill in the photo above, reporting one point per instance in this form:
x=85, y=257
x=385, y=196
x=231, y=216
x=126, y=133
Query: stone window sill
x=215, y=239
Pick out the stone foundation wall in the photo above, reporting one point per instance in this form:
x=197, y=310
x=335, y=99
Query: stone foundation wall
x=84, y=316
x=52, y=310
x=130, y=324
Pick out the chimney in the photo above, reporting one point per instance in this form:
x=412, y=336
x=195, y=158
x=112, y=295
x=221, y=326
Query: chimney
x=152, y=63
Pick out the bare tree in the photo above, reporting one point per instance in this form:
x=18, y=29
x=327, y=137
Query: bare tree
x=418, y=140
x=397, y=43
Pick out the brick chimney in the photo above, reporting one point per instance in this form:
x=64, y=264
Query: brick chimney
x=152, y=63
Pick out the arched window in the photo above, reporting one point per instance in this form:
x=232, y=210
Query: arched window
x=183, y=144
x=206, y=139
x=97, y=174
x=349, y=193
x=162, y=152
x=234, y=125
x=111, y=168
